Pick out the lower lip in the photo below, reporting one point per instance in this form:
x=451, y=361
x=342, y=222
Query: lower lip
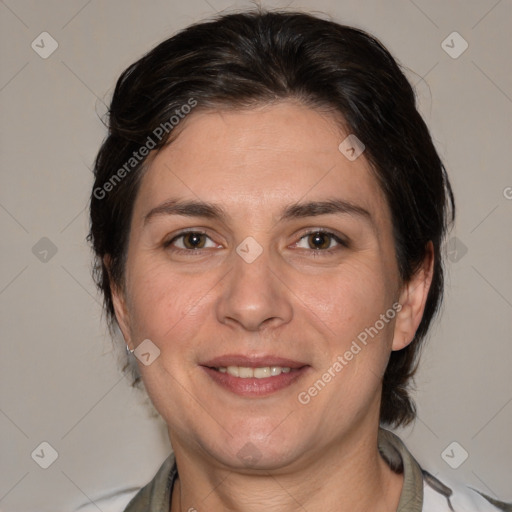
x=255, y=387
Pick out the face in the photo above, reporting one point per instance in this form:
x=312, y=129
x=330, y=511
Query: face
x=258, y=249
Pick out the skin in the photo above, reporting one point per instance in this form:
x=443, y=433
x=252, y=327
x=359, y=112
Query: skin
x=295, y=301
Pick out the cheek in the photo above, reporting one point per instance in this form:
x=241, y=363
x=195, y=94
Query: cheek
x=161, y=302
x=347, y=306
x=347, y=299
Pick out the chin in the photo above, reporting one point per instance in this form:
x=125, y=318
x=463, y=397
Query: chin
x=257, y=450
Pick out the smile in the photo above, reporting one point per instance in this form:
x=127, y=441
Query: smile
x=254, y=382
x=245, y=372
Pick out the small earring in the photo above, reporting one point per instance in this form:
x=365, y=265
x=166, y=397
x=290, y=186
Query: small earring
x=128, y=350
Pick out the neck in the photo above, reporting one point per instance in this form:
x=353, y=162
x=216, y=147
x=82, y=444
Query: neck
x=347, y=476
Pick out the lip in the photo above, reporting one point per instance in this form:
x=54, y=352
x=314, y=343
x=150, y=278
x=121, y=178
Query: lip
x=252, y=361
x=252, y=387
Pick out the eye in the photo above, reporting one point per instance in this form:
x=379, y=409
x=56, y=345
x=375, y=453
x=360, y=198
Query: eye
x=320, y=240
x=190, y=241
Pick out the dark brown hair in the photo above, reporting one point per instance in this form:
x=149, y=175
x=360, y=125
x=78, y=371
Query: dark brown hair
x=258, y=57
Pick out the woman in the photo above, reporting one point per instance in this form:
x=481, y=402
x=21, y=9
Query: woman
x=267, y=217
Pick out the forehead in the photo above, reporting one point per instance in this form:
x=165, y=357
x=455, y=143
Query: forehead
x=268, y=156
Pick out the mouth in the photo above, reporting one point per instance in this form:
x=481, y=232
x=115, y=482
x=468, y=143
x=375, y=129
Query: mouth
x=262, y=372
x=254, y=376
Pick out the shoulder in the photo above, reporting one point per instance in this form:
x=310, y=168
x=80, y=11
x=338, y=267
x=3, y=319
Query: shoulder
x=440, y=495
x=432, y=493
x=153, y=497
x=113, y=502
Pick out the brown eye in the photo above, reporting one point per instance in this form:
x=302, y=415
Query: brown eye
x=190, y=241
x=194, y=240
x=319, y=240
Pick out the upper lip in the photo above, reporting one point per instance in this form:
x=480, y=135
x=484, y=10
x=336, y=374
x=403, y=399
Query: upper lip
x=251, y=361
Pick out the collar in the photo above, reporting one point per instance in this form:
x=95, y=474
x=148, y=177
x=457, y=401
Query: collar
x=400, y=460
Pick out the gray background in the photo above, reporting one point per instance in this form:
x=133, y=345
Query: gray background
x=59, y=377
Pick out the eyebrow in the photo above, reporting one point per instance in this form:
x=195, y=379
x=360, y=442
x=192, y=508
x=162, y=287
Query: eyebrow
x=187, y=209
x=293, y=211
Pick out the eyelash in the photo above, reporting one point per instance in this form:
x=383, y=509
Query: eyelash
x=324, y=252
x=315, y=252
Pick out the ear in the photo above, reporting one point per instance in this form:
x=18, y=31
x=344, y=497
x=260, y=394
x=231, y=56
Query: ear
x=119, y=302
x=413, y=298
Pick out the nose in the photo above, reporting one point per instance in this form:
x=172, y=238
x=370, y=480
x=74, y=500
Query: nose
x=252, y=296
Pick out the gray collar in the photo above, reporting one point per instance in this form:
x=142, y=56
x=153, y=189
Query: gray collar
x=400, y=460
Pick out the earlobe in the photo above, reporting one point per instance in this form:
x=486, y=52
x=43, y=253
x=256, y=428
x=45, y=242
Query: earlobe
x=413, y=299
x=119, y=303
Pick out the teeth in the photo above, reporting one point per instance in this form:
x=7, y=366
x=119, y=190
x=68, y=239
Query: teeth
x=276, y=370
x=262, y=373
x=245, y=372
x=233, y=370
